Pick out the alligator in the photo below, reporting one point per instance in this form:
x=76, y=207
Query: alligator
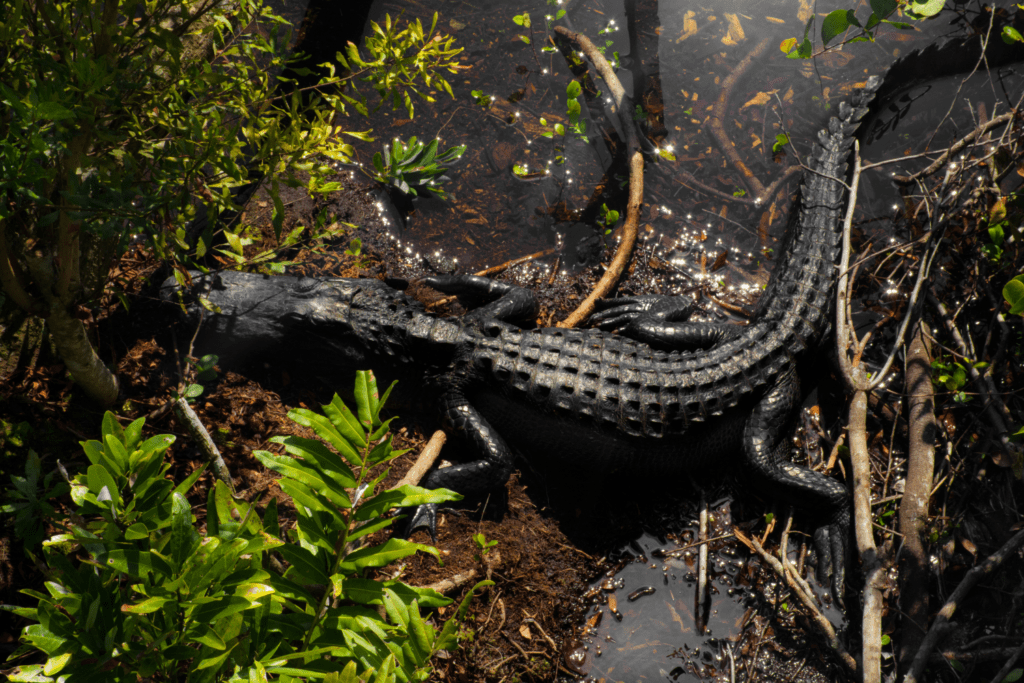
x=648, y=390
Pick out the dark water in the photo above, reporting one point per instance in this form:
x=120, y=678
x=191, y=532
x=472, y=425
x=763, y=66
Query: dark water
x=675, y=59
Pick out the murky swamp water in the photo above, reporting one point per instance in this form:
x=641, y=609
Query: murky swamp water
x=522, y=188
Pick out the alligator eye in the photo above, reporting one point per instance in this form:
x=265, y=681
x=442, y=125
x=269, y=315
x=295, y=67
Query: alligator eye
x=307, y=284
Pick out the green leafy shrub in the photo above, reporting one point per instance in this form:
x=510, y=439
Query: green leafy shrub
x=30, y=507
x=137, y=591
x=413, y=165
x=130, y=118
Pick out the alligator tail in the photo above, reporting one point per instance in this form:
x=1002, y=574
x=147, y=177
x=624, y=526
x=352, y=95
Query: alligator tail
x=799, y=295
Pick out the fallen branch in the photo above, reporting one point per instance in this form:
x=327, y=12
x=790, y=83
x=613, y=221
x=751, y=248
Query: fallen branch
x=636, y=181
x=453, y=582
x=427, y=457
x=183, y=411
x=716, y=124
x=494, y=270
x=940, y=625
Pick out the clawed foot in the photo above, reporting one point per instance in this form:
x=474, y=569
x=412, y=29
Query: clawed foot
x=621, y=314
x=830, y=545
x=420, y=517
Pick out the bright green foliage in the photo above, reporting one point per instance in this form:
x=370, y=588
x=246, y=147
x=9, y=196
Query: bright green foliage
x=953, y=376
x=399, y=58
x=781, y=140
x=132, y=116
x=483, y=544
x=28, y=504
x=838, y=21
x=137, y=591
x=1013, y=292
x=413, y=164
x=608, y=218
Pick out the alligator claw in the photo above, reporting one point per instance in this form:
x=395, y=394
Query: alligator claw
x=617, y=314
x=830, y=547
x=421, y=517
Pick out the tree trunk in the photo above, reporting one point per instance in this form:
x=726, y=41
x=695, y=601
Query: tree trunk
x=88, y=371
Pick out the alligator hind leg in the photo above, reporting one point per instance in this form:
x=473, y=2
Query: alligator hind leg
x=505, y=302
x=480, y=476
x=660, y=321
x=765, y=447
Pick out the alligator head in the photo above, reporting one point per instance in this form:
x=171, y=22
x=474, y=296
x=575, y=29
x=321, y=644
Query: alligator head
x=322, y=324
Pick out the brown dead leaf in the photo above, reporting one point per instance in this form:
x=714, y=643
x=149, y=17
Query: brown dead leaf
x=689, y=26
x=524, y=631
x=735, y=35
x=720, y=260
x=759, y=99
x=969, y=546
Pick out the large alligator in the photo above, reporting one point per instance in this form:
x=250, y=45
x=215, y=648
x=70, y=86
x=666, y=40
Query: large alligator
x=662, y=395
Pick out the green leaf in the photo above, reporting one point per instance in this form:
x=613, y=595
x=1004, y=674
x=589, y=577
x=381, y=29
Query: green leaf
x=573, y=90
x=404, y=496
x=835, y=23
x=420, y=635
x=1013, y=292
x=54, y=111
x=147, y=606
x=277, y=218
x=781, y=140
x=1013, y=676
x=184, y=538
x=317, y=454
x=366, y=397
x=384, y=554
x=102, y=485
x=1011, y=35
x=310, y=569
x=883, y=8
x=922, y=9
x=136, y=563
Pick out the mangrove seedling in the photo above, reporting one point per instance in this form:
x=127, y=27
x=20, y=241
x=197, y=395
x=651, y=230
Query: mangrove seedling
x=413, y=165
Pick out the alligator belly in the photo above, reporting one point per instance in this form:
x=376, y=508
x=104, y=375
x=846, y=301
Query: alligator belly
x=541, y=433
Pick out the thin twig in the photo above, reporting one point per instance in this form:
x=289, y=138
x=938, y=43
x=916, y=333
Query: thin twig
x=939, y=626
x=183, y=411
x=821, y=624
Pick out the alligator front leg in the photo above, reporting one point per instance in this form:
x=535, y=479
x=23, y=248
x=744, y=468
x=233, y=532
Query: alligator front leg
x=463, y=421
x=765, y=446
x=660, y=321
x=505, y=302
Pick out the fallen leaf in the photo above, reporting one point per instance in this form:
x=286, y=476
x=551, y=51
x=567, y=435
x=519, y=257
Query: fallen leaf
x=689, y=26
x=735, y=35
x=759, y=99
x=524, y=631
